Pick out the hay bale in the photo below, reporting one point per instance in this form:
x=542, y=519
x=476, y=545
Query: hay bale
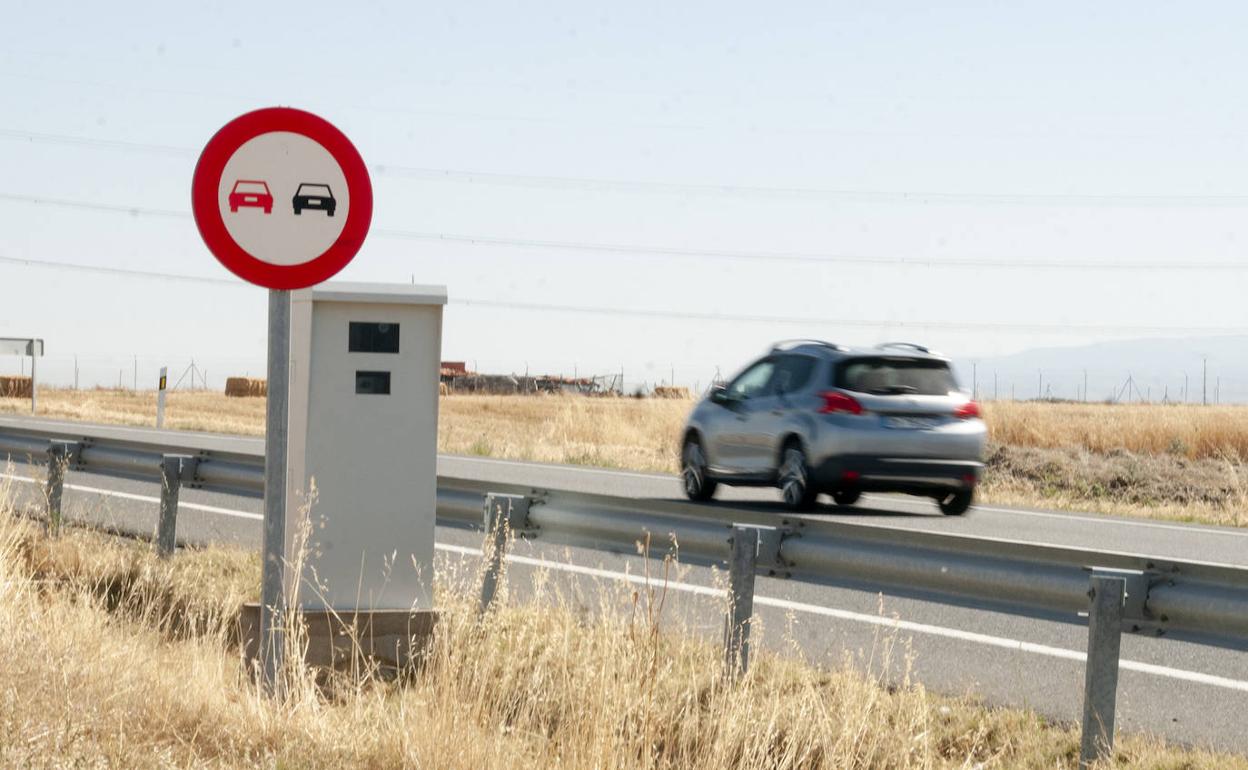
x=246, y=387
x=15, y=387
x=672, y=391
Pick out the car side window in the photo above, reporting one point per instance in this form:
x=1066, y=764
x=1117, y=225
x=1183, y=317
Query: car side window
x=792, y=374
x=753, y=381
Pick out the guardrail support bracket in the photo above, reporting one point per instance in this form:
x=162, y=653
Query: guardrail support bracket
x=1100, y=688
x=61, y=454
x=503, y=515
x=173, y=468
x=742, y=562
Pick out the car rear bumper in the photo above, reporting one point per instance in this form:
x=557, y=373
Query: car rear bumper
x=915, y=475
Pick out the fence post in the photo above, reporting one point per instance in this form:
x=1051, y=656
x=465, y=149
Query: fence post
x=503, y=515
x=170, y=485
x=1100, y=688
x=741, y=561
x=59, y=455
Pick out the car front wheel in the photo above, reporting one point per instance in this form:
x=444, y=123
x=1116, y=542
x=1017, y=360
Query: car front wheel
x=794, y=480
x=698, y=486
x=955, y=503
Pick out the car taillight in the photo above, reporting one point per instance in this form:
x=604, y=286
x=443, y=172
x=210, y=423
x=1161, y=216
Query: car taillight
x=967, y=411
x=835, y=401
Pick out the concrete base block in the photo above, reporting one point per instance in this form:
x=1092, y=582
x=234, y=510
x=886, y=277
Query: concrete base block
x=351, y=639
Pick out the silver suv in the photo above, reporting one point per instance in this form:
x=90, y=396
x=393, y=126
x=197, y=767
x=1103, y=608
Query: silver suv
x=812, y=417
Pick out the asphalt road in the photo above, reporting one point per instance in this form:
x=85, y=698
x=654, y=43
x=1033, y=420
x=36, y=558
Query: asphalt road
x=1183, y=691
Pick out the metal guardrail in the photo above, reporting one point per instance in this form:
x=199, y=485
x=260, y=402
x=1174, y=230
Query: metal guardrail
x=1199, y=601
x=1205, y=601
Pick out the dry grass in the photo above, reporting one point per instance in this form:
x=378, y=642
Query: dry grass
x=187, y=410
x=1194, y=432
x=112, y=658
x=1184, y=463
x=629, y=433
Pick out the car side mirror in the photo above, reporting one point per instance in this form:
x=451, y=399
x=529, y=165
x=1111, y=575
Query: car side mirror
x=719, y=395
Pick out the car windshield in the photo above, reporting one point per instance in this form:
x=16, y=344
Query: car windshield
x=246, y=186
x=895, y=376
x=321, y=190
x=752, y=381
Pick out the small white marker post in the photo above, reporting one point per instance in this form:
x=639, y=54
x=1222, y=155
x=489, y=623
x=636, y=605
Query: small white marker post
x=160, y=397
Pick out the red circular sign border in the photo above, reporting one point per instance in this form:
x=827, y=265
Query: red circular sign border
x=206, y=184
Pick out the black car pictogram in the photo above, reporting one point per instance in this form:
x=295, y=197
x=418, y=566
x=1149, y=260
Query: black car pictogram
x=314, y=196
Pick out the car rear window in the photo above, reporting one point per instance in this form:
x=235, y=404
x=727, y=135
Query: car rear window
x=887, y=375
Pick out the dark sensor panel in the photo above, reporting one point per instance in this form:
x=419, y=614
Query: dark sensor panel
x=373, y=338
x=372, y=383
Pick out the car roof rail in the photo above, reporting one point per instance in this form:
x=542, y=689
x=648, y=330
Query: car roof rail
x=904, y=345
x=789, y=344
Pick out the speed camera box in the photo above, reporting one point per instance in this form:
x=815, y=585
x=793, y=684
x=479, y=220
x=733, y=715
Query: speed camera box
x=363, y=445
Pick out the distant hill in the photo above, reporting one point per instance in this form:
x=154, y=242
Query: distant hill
x=1156, y=366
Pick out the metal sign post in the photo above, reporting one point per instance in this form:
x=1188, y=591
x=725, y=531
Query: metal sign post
x=160, y=397
x=34, y=379
x=277, y=424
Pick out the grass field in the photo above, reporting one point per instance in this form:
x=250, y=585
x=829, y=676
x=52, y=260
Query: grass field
x=1185, y=463
x=113, y=658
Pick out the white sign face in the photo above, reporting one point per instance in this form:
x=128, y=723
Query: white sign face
x=283, y=198
x=20, y=347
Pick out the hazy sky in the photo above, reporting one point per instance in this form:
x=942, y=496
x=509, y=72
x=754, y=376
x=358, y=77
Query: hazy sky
x=1033, y=145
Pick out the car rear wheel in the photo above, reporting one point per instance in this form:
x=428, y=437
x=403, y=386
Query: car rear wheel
x=698, y=486
x=846, y=496
x=794, y=480
x=955, y=503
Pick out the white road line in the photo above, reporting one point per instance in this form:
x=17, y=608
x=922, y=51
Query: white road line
x=553, y=467
x=143, y=498
x=1107, y=519
x=1091, y=518
x=1017, y=645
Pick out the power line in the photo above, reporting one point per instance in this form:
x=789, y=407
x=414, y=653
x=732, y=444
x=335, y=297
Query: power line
x=668, y=251
x=120, y=271
x=950, y=262
x=685, y=315
x=103, y=144
x=849, y=322
x=880, y=196
x=90, y=206
x=686, y=188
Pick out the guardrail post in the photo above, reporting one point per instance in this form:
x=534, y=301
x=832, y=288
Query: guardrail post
x=504, y=514
x=741, y=562
x=1100, y=688
x=59, y=455
x=170, y=486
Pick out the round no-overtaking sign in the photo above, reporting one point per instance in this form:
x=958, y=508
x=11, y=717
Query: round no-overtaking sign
x=282, y=198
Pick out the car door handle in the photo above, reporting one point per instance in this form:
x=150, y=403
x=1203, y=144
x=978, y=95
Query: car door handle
x=777, y=412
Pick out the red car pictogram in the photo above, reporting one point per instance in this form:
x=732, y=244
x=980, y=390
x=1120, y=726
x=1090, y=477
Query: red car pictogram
x=250, y=192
